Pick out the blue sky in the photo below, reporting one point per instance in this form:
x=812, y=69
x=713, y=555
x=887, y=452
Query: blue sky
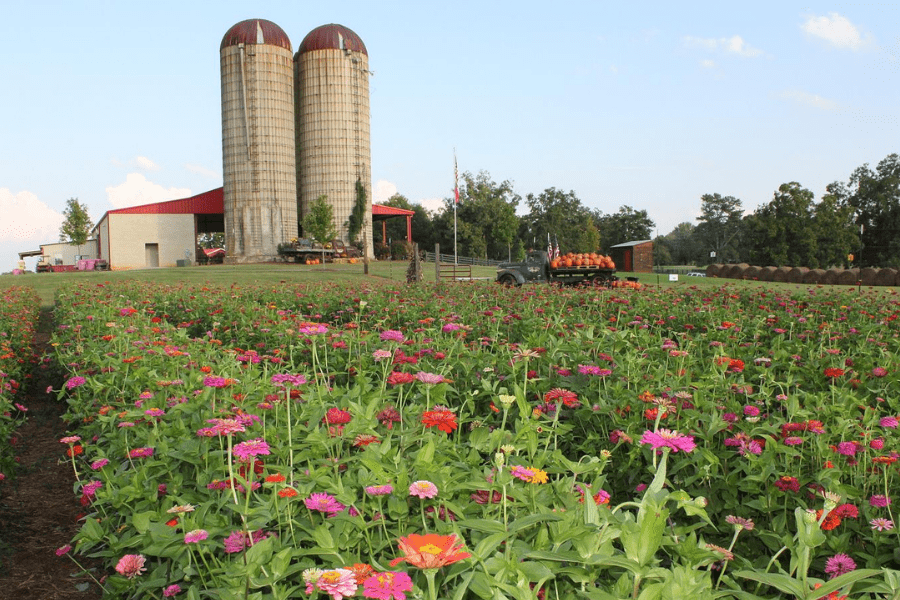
x=649, y=105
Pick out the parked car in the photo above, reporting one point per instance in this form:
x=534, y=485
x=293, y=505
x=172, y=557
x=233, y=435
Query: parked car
x=696, y=274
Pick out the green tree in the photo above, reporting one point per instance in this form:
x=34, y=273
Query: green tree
x=563, y=217
x=77, y=225
x=876, y=200
x=318, y=223
x=486, y=218
x=211, y=240
x=625, y=225
x=422, y=225
x=682, y=245
x=835, y=230
x=719, y=228
x=358, y=215
x=783, y=232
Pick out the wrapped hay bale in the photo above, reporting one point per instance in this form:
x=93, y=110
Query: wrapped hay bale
x=867, y=275
x=848, y=277
x=814, y=276
x=830, y=277
x=767, y=273
x=886, y=277
x=714, y=270
x=752, y=273
x=781, y=274
x=797, y=274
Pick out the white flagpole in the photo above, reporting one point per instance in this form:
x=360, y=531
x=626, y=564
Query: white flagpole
x=455, y=202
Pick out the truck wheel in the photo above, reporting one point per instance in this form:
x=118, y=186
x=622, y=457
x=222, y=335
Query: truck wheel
x=600, y=280
x=507, y=280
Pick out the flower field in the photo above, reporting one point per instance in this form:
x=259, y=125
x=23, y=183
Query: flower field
x=477, y=441
x=18, y=317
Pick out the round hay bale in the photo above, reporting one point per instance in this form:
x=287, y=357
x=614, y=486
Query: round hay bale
x=766, y=273
x=796, y=274
x=735, y=271
x=848, y=277
x=752, y=273
x=814, y=276
x=781, y=274
x=714, y=270
x=831, y=276
x=886, y=277
x=867, y=276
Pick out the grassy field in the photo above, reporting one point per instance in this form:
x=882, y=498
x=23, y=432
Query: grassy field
x=46, y=284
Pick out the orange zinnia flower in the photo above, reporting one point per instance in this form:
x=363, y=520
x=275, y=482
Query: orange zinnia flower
x=442, y=419
x=430, y=551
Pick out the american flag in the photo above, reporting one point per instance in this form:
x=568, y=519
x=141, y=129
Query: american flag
x=455, y=179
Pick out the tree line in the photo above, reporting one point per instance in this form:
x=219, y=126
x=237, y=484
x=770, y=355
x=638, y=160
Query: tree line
x=488, y=226
x=854, y=223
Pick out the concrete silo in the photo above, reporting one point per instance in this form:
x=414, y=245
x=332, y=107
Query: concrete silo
x=331, y=73
x=258, y=153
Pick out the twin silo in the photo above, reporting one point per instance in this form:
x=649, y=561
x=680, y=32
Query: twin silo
x=294, y=128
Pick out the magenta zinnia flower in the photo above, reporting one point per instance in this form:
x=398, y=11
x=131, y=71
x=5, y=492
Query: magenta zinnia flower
x=131, y=565
x=423, y=489
x=391, y=335
x=245, y=451
x=889, y=422
x=664, y=438
x=325, y=503
x=379, y=490
x=879, y=500
x=74, y=382
x=839, y=564
x=387, y=586
x=280, y=379
x=141, y=453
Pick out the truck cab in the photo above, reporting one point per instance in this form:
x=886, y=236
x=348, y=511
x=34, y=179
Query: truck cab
x=536, y=267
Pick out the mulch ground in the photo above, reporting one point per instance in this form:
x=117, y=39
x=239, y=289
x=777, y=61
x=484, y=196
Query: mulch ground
x=39, y=511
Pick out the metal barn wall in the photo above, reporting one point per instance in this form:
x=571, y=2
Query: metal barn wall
x=129, y=235
x=65, y=254
x=258, y=153
x=333, y=137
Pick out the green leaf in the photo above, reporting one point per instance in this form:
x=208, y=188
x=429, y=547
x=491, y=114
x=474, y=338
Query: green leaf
x=323, y=538
x=839, y=582
x=786, y=584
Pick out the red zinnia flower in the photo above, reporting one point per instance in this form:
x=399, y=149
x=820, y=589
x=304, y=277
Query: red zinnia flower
x=833, y=372
x=443, y=419
x=430, y=551
x=831, y=521
x=336, y=416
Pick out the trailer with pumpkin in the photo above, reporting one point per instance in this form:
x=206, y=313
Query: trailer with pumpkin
x=569, y=269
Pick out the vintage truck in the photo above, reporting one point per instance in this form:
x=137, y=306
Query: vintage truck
x=538, y=268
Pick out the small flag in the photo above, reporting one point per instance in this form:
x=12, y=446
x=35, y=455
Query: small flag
x=556, y=247
x=455, y=179
x=549, y=247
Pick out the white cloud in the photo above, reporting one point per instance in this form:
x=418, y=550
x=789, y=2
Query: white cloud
x=734, y=44
x=27, y=220
x=142, y=162
x=202, y=170
x=137, y=190
x=383, y=191
x=431, y=204
x=707, y=64
x=807, y=99
x=837, y=30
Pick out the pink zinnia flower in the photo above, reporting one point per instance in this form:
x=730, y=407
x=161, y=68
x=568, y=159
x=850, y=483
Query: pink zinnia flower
x=839, y=564
x=391, y=335
x=172, y=590
x=665, y=438
x=72, y=383
x=245, y=451
x=197, y=535
x=889, y=422
x=379, y=490
x=879, y=372
x=387, y=586
x=423, y=489
x=280, y=379
x=70, y=439
x=131, y=565
x=881, y=524
x=325, y=503
x=226, y=426
x=63, y=550
x=337, y=583
x=141, y=453
x=847, y=448
x=520, y=472
x=429, y=378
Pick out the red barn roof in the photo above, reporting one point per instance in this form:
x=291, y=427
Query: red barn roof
x=207, y=203
x=380, y=210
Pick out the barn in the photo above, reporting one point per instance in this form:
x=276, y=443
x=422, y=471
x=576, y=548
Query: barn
x=158, y=235
x=633, y=257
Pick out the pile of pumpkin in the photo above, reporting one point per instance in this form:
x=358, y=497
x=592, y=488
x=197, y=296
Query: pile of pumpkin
x=592, y=259
x=312, y=261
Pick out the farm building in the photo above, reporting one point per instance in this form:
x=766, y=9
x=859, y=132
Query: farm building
x=633, y=257
x=64, y=256
x=160, y=234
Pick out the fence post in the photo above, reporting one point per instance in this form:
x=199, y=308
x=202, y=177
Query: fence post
x=437, y=263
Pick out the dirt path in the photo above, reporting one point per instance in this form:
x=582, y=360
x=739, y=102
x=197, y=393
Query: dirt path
x=38, y=510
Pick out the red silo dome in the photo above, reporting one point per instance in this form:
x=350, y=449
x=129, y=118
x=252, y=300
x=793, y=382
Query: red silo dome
x=256, y=31
x=332, y=37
